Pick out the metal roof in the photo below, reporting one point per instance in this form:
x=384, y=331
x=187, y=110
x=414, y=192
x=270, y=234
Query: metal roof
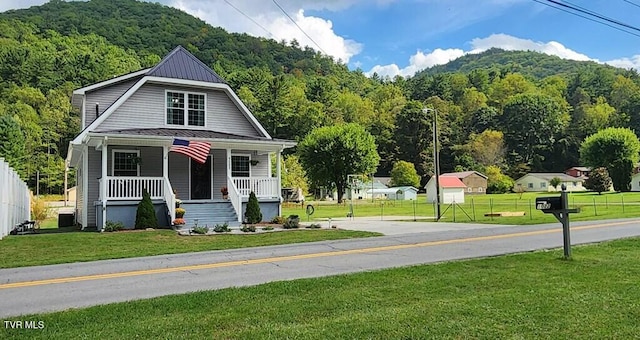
x=180, y=64
x=463, y=174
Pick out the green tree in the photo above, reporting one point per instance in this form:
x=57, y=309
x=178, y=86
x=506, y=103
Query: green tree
x=12, y=145
x=414, y=136
x=616, y=149
x=404, y=174
x=598, y=181
x=486, y=148
x=146, y=214
x=531, y=124
x=253, y=214
x=293, y=174
x=554, y=182
x=497, y=182
x=332, y=153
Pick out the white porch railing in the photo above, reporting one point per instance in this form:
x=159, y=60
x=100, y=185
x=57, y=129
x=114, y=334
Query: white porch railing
x=130, y=188
x=261, y=186
x=170, y=198
x=234, y=196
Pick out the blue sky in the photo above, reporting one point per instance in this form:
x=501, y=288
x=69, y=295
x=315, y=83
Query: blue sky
x=400, y=37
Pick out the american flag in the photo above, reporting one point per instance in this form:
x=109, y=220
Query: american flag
x=199, y=151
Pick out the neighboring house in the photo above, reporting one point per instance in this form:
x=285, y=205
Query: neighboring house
x=476, y=182
x=635, y=182
x=578, y=171
x=131, y=122
x=396, y=193
x=451, y=189
x=539, y=182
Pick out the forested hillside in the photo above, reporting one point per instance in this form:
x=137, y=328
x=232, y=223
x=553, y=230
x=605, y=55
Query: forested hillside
x=499, y=112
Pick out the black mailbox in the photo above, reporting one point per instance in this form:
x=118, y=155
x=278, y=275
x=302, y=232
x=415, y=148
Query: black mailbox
x=549, y=203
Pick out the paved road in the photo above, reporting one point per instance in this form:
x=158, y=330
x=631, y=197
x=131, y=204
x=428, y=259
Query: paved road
x=59, y=287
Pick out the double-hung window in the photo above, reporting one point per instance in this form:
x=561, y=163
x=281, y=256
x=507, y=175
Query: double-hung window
x=126, y=163
x=240, y=166
x=185, y=108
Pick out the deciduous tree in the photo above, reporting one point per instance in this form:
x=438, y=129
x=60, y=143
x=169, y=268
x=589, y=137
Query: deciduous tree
x=331, y=153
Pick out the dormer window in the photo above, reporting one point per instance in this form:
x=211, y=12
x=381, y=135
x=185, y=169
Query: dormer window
x=185, y=108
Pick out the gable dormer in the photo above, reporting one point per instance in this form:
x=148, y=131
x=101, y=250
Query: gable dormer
x=179, y=93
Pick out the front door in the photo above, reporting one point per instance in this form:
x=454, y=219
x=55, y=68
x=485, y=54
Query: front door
x=201, y=179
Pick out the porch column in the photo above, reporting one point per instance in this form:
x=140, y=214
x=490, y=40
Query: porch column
x=165, y=162
x=103, y=187
x=279, y=180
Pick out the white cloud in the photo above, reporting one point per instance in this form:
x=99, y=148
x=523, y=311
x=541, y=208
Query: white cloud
x=633, y=62
x=417, y=62
x=275, y=23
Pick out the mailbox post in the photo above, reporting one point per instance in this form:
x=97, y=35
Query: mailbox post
x=559, y=207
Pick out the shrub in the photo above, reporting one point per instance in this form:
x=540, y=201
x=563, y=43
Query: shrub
x=110, y=226
x=253, y=214
x=146, y=214
x=314, y=226
x=39, y=210
x=221, y=228
x=278, y=220
x=200, y=230
x=249, y=229
x=292, y=222
x=268, y=228
x=180, y=212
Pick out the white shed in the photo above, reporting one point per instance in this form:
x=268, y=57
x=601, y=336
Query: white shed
x=451, y=190
x=635, y=182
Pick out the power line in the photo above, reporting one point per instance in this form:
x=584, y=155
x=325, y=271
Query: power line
x=300, y=28
x=250, y=18
x=585, y=17
x=631, y=2
x=592, y=13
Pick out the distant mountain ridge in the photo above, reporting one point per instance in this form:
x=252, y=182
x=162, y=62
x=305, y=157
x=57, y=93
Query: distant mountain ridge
x=529, y=63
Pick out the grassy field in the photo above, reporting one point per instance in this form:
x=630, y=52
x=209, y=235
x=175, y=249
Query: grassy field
x=61, y=246
x=524, y=296
x=592, y=207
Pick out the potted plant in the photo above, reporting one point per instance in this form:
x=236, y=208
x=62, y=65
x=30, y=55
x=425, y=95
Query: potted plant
x=225, y=192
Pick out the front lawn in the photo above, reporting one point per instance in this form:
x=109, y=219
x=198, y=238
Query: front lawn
x=59, y=246
x=525, y=296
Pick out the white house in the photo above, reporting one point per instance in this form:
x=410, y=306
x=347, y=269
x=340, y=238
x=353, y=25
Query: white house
x=451, y=189
x=406, y=193
x=177, y=131
x=540, y=182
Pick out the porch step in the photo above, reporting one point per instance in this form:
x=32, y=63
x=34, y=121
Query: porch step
x=210, y=213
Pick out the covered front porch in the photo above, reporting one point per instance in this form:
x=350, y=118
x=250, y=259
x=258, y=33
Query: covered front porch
x=119, y=169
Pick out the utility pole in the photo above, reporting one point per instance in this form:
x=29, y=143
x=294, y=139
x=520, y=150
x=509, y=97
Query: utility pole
x=436, y=158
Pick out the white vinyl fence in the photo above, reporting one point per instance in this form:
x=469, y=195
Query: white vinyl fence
x=14, y=199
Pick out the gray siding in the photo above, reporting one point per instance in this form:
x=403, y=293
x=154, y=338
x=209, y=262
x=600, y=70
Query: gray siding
x=94, y=173
x=179, y=175
x=219, y=172
x=104, y=97
x=146, y=109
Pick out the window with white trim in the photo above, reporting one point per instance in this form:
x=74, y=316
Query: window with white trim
x=185, y=108
x=240, y=166
x=126, y=163
x=480, y=188
x=469, y=189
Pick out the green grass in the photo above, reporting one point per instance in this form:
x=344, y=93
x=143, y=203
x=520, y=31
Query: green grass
x=61, y=246
x=592, y=207
x=525, y=296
